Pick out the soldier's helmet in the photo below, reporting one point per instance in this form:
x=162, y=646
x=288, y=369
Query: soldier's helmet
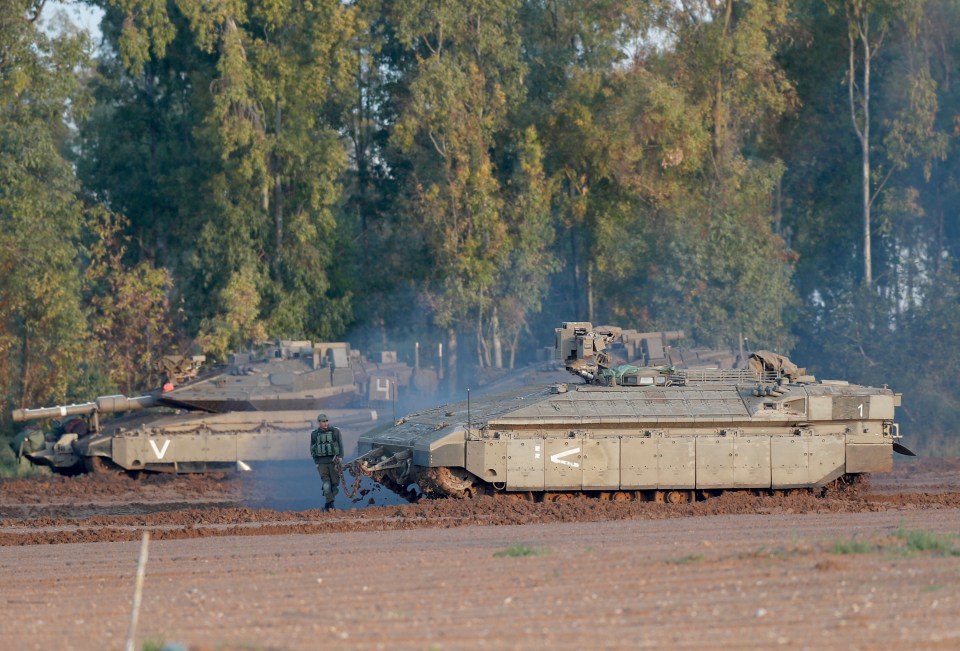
x=321, y=417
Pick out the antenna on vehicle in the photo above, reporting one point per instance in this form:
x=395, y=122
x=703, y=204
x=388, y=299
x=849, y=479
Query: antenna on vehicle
x=468, y=411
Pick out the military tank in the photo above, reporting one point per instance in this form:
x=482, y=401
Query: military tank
x=260, y=406
x=670, y=427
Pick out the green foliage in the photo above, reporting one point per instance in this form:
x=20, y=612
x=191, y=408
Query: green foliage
x=927, y=541
x=481, y=171
x=43, y=335
x=235, y=103
x=484, y=230
x=239, y=325
x=852, y=547
x=129, y=310
x=902, y=542
x=524, y=284
x=147, y=32
x=518, y=551
x=852, y=336
x=721, y=273
x=8, y=458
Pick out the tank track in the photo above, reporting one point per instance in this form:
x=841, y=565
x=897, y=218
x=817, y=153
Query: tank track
x=457, y=483
x=449, y=482
x=402, y=489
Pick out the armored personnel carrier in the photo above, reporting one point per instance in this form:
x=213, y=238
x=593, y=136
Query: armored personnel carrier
x=669, y=427
x=259, y=407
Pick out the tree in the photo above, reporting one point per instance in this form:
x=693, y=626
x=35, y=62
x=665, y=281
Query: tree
x=43, y=333
x=129, y=307
x=449, y=130
x=714, y=262
x=868, y=25
x=574, y=52
x=859, y=14
x=262, y=79
x=138, y=152
x=530, y=262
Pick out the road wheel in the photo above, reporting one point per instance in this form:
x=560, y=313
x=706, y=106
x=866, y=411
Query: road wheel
x=98, y=465
x=677, y=497
x=103, y=466
x=514, y=497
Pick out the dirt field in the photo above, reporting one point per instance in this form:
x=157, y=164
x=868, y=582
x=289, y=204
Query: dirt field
x=233, y=567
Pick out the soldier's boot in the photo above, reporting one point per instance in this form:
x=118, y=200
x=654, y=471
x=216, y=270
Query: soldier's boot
x=329, y=507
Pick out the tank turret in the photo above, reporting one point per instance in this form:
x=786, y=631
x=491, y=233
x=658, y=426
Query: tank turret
x=643, y=418
x=258, y=406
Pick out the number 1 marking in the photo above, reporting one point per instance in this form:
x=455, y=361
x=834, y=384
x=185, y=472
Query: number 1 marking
x=861, y=409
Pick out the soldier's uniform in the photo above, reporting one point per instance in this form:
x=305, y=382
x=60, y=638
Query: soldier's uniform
x=326, y=446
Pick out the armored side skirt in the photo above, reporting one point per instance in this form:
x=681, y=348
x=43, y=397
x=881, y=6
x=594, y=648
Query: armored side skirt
x=199, y=443
x=671, y=461
x=168, y=452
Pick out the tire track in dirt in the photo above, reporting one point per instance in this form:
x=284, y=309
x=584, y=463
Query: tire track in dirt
x=239, y=521
x=98, y=508
x=719, y=582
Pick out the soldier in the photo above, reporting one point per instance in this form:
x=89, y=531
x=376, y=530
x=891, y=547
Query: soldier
x=326, y=448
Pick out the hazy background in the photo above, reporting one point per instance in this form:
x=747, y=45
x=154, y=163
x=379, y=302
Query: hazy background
x=186, y=177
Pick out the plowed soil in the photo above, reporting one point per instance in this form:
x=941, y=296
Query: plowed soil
x=249, y=562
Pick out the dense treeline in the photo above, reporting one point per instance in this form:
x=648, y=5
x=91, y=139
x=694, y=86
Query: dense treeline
x=472, y=173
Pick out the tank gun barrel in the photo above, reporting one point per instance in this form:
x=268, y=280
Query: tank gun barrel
x=102, y=405
x=83, y=409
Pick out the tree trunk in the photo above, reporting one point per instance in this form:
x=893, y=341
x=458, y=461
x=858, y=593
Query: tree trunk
x=25, y=370
x=514, y=342
x=452, y=360
x=152, y=166
x=865, y=146
x=719, y=112
x=574, y=275
x=859, y=29
x=590, y=292
x=483, y=352
x=941, y=240
x=778, y=207
x=497, y=344
x=360, y=152
x=278, y=194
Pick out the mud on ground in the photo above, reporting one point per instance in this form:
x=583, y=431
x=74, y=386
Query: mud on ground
x=233, y=568
x=115, y=507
